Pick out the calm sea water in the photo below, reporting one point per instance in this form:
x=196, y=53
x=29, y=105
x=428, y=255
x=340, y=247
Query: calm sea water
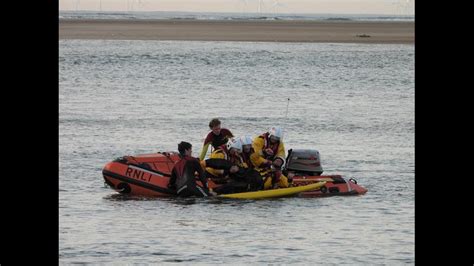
x=352, y=102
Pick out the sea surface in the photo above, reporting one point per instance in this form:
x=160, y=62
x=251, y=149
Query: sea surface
x=354, y=103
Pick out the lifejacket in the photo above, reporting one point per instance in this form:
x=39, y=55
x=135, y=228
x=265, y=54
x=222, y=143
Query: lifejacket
x=223, y=153
x=268, y=145
x=260, y=144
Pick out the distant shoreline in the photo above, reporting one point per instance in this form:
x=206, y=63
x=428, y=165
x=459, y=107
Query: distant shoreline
x=333, y=31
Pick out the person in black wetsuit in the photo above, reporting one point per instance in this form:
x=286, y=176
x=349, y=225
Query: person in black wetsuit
x=183, y=178
x=217, y=137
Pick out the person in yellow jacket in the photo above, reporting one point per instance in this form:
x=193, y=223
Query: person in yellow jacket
x=247, y=151
x=234, y=175
x=229, y=152
x=269, y=157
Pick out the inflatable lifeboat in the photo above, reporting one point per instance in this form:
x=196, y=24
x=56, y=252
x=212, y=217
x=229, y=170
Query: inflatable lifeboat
x=148, y=175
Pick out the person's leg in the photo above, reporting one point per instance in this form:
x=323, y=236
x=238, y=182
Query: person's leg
x=193, y=190
x=239, y=186
x=224, y=189
x=232, y=187
x=198, y=191
x=283, y=183
x=267, y=183
x=255, y=180
x=185, y=193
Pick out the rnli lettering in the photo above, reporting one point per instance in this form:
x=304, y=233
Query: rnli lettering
x=149, y=178
x=137, y=174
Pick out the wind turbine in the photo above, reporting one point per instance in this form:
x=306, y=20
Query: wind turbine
x=276, y=4
x=402, y=6
x=407, y=7
x=245, y=3
x=130, y=7
x=141, y=3
x=76, y=4
x=395, y=4
x=260, y=5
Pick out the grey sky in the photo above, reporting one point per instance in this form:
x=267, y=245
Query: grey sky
x=397, y=7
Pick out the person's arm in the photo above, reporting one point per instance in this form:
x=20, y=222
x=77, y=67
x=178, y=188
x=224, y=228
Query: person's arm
x=257, y=157
x=280, y=153
x=216, y=155
x=216, y=163
x=204, y=151
x=201, y=173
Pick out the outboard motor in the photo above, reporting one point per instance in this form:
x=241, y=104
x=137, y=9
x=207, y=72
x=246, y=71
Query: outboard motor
x=306, y=162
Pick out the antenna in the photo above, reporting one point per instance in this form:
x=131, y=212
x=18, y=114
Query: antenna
x=288, y=104
x=286, y=118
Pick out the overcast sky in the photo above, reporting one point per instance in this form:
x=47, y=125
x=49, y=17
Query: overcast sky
x=405, y=7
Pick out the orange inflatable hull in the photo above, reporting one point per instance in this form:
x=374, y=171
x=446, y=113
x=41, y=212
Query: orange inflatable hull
x=148, y=175
x=335, y=185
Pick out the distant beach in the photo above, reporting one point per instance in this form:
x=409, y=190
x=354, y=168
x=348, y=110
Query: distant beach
x=330, y=31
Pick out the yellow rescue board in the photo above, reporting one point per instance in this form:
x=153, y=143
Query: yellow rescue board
x=274, y=193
